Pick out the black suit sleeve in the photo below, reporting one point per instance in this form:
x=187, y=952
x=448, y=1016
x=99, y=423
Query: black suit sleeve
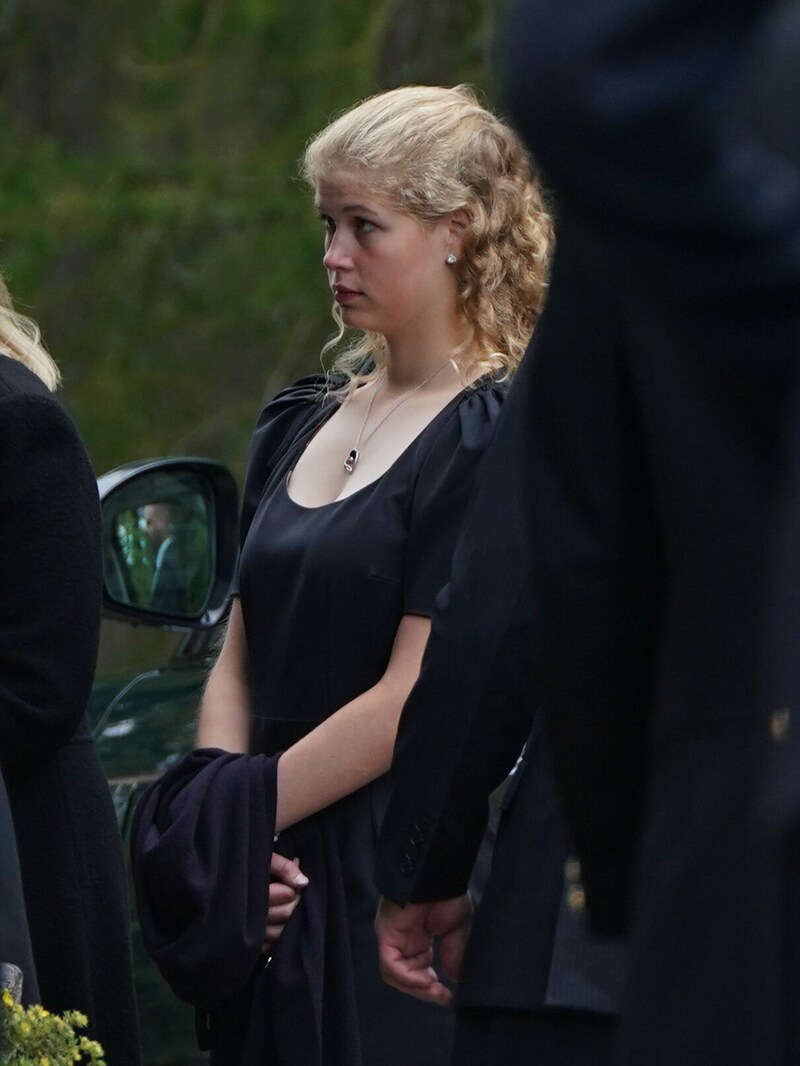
x=50, y=579
x=470, y=712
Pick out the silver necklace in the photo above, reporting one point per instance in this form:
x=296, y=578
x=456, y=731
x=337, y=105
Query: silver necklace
x=355, y=452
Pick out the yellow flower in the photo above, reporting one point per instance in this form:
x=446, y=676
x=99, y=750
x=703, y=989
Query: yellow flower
x=90, y=1047
x=35, y=1037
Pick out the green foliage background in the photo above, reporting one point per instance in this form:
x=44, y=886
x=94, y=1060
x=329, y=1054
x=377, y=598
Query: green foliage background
x=152, y=218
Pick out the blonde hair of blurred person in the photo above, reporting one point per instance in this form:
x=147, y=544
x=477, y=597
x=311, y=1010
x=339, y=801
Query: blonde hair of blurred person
x=20, y=339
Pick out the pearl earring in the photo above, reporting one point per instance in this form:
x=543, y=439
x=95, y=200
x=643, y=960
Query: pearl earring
x=451, y=259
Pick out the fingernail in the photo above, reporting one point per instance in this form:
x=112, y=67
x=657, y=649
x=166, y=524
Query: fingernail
x=301, y=880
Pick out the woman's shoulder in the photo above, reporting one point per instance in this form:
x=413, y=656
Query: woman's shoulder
x=290, y=408
x=480, y=405
x=16, y=380
x=469, y=422
x=449, y=452
x=446, y=470
x=41, y=450
x=281, y=420
x=293, y=402
x=30, y=410
x=305, y=392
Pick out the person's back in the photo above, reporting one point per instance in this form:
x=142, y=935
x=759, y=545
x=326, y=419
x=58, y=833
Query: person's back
x=659, y=411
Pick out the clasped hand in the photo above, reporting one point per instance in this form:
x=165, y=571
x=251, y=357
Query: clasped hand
x=405, y=935
x=287, y=882
x=405, y=945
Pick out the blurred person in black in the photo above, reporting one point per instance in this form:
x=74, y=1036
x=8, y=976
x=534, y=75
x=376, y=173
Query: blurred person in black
x=535, y=985
x=172, y=557
x=659, y=413
x=70, y=853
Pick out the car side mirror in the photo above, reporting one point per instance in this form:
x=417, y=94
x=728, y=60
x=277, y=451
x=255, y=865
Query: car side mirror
x=169, y=542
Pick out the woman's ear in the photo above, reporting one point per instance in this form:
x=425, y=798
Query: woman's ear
x=458, y=230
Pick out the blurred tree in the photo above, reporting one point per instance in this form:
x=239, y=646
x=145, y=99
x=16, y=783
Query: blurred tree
x=437, y=43
x=153, y=221
x=57, y=69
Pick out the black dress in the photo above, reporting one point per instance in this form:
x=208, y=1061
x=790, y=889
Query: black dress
x=323, y=591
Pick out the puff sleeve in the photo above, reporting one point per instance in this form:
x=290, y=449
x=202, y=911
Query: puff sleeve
x=277, y=427
x=442, y=489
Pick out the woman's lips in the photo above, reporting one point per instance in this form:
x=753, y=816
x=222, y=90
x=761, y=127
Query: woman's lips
x=343, y=295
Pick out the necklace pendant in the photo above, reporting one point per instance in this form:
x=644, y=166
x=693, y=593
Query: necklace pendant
x=350, y=462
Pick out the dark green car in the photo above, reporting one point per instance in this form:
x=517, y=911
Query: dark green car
x=169, y=551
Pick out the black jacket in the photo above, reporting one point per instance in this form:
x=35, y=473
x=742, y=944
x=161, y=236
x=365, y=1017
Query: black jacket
x=462, y=729
x=660, y=406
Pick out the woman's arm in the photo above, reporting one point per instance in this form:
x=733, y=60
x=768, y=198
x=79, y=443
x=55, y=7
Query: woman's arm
x=224, y=720
x=343, y=753
x=354, y=746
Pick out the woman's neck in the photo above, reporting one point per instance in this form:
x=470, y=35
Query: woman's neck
x=408, y=363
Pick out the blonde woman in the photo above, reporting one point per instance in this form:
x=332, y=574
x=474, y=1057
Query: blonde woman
x=50, y=582
x=436, y=244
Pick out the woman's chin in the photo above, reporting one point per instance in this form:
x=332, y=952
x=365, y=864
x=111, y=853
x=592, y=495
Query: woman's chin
x=356, y=317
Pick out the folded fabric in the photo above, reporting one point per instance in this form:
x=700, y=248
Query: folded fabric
x=202, y=841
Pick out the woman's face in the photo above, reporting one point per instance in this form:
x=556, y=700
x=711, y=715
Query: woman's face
x=386, y=269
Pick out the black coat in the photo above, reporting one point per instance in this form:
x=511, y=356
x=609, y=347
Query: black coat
x=663, y=374
x=15, y=941
x=462, y=729
x=50, y=588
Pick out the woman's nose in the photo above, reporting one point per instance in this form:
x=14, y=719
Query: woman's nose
x=336, y=255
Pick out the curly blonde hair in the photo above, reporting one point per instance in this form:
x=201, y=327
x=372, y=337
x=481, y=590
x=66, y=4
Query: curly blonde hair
x=20, y=339
x=431, y=151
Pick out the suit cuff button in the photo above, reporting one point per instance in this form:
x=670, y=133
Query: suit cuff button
x=779, y=724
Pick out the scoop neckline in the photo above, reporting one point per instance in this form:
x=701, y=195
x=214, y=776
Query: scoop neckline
x=375, y=481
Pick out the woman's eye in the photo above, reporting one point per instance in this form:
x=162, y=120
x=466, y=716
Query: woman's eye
x=363, y=225
x=328, y=231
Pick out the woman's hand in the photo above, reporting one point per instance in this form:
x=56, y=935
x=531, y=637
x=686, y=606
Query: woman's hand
x=287, y=882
